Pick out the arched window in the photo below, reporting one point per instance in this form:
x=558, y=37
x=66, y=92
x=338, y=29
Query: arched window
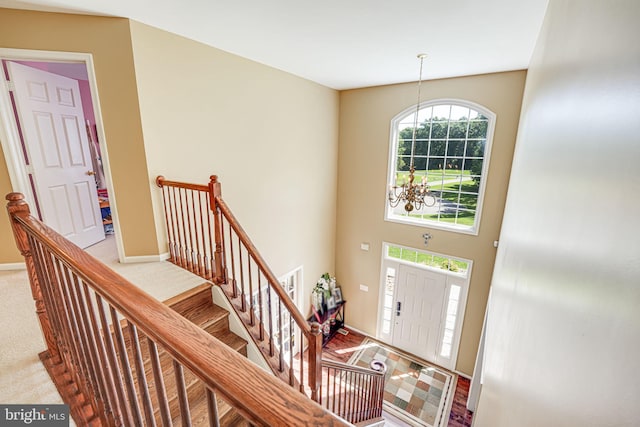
x=451, y=149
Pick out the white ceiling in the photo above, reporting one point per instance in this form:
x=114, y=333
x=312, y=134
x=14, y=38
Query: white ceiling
x=344, y=44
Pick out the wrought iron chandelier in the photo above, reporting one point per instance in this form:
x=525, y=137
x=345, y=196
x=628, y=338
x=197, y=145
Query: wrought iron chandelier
x=413, y=195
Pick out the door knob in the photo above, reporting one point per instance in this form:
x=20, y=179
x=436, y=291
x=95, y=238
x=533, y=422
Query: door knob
x=90, y=173
x=398, y=308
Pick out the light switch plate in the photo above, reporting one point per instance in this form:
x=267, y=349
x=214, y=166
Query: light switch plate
x=364, y=288
x=364, y=246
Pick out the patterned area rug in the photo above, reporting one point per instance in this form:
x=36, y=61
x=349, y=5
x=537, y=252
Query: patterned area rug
x=416, y=392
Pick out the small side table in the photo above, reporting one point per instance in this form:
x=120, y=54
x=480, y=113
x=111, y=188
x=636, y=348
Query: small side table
x=334, y=318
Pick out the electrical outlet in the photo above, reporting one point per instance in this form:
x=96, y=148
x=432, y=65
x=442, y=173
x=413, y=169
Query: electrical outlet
x=364, y=288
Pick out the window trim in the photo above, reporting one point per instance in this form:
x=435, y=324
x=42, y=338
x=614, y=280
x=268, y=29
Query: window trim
x=393, y=148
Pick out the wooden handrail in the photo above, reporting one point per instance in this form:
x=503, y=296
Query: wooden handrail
x=259, y=397
x=353, y=368
x=161, y=182
x=272, y=279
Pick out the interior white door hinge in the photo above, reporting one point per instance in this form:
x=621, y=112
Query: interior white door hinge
x=10, y=86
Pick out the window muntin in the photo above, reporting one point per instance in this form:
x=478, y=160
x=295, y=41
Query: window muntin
x=452, y=150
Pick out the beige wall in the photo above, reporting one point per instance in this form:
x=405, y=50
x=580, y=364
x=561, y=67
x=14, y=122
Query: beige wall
x=365, y=116
x=563, y=331
x=272, y=138
x=108, y=40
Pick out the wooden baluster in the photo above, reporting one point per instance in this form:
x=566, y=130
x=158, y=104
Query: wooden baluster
x=315, y=360
x=260, y=308
x=185, y=414
x=161, y=391
x=215, y=190
x=252, y=308
x=292, y=338
x=185, y=231
x=301, y=352
x=280, y=336
x=212, y=408
x=193, y=238
x=241, y=267
x=127, y=417
x=335, y=396
x=106, y=371
x=17, y=206
x=203, y=209
x=173, y=210
x=211, y=237
x=270, y=318
x=87, y=351
x=143, y=388
x=94, y=351
x=125, y=367
x=61, y=322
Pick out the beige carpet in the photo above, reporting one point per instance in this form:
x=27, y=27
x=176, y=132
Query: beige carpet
x=23, y=379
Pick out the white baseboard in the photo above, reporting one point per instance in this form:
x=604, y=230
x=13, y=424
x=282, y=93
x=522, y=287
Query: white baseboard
x=463, y=375
x=358, y=331
x=13, y=266
x=145, y=258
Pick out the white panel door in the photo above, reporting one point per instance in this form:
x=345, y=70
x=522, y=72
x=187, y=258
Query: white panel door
x=419, y=303
x=52, y=123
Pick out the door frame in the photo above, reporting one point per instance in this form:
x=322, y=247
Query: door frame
x=10, y=139
x=452, y=278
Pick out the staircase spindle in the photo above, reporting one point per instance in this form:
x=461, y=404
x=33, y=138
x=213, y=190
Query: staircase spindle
x=212, y=408
x=113, y=362
x=143, y=388
x=125, y=367
x=185, y=413
x=161, y=392
x=106, y=372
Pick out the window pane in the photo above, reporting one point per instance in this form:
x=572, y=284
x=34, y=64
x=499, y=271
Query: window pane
x=458, y=129
x=475, y=148
x=439, y=129
x=422, y=148
x=455, y=149
x=458, y=112
x=441, y=111
x=478, y=128
x=438, y=147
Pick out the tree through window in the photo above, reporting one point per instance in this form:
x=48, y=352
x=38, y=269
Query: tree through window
x=452, y=151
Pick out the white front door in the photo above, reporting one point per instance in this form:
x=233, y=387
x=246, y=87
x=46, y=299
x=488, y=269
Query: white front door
x=52, y=122
x=420, y=297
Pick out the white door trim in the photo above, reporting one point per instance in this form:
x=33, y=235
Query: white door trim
x=10, y=140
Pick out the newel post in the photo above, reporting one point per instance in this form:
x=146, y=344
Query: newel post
x=215, y=191
x=315, y=360
x=17, y=206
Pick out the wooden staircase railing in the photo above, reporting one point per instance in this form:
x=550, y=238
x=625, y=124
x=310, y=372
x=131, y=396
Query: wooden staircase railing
x=87, y=312
x=352, y=392
x=216, y=247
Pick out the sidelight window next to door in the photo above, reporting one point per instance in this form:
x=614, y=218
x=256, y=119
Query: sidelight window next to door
x=423, y=296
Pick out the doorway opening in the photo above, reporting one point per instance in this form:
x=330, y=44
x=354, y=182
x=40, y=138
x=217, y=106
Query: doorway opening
x=422, y=301
x=54, y=143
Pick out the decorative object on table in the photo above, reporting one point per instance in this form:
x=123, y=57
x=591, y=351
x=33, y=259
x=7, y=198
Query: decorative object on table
x=322, y=292
x=326, y=328
x=337, y=295
x=331, y=303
